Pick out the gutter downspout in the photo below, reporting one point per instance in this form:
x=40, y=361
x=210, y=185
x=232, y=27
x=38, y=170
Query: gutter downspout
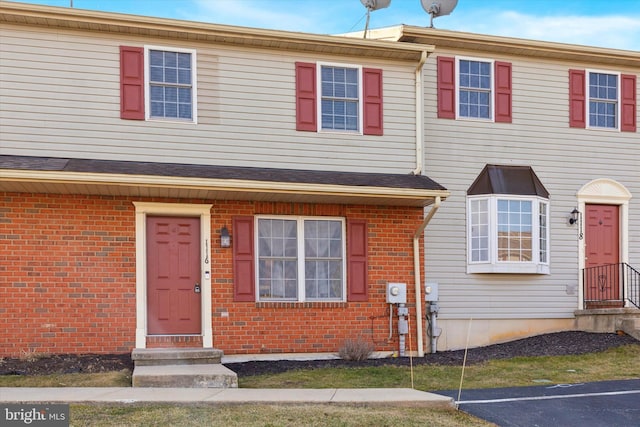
x=416, y=268
x=419, y=114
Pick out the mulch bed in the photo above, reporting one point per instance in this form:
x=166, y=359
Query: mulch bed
x=65, y=364
x=556, y=344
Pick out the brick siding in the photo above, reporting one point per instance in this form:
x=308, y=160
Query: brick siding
x=67, y=264
x=68, y=267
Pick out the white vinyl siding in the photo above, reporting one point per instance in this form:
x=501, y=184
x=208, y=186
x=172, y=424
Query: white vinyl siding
x=564, y=159
x=60, y=97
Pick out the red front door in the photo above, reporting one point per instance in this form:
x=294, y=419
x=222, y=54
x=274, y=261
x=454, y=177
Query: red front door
x=602, y=237
x=173, y=275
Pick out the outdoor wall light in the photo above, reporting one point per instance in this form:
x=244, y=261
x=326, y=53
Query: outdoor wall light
x=225, y=239
x=575, y=214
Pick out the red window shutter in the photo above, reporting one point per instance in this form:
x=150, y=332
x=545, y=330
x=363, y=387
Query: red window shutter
x=629, y=99
x=306, y=117
x=357, y=266
x=243, y=259
x=372, y=106
x=577, y=99
x=131, y=83
x=446, y=87
x=503, y=92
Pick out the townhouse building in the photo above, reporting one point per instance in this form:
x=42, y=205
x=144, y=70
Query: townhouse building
x=180, y=184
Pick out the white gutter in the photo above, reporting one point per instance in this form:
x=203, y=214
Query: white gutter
x=416, y=267
x=411, y=195
x=419, y=114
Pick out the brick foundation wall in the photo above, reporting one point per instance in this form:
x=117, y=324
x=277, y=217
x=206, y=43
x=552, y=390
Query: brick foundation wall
x=67, y=264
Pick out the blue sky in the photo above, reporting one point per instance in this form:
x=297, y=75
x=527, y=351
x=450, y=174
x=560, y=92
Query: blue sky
x=604, y=23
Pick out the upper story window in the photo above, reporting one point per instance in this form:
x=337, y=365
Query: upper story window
x=473, y=88
x=170, y=76
x=158, y=83
x=170, y=80
x=508, y=214
x=338, y=97
x=301, y=259
x=340, y=92
x=602, y=100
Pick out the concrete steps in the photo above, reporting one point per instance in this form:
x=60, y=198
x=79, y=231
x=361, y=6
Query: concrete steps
x=609, y=320
x=187, y=376
x=180, y=367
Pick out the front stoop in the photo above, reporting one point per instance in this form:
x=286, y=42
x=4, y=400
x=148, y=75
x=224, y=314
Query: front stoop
x=609, y=320
x=187, y=376
x=180, y=367
x=175, y=356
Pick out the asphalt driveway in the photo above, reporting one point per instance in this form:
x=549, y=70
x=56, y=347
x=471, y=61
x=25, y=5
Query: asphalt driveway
x=598, y=404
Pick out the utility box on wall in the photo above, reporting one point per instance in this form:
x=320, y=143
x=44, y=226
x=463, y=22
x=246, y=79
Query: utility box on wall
x=397, y=293
x=431, y=292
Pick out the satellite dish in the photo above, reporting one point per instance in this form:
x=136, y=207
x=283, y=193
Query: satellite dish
x=437, y=8
x=372, y=5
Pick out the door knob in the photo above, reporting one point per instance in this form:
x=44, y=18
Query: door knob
x=196, y=288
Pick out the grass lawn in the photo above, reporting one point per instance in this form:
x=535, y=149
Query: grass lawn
x=105, y=379
x=618, y=363
x=267, y=415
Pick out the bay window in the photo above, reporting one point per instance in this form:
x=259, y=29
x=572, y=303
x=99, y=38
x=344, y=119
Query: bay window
x=507, y=232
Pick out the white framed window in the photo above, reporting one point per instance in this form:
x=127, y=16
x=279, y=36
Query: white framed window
x=543, y=230
x=340, y=90
x=508, y=234
x=603, y=89
x=475, y=82
x=170, y=84
x=300, y=259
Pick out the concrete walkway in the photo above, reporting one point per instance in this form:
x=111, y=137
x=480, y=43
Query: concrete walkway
x=386, y=396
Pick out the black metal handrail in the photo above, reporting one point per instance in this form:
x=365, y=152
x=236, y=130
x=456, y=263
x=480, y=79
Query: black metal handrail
x=610, y=284
x=633, y=285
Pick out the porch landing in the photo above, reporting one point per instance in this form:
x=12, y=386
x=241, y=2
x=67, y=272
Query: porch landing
x=181, y=367
x=626, y=320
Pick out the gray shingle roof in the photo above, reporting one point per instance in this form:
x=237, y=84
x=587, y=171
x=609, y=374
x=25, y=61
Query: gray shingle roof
x=299, y=176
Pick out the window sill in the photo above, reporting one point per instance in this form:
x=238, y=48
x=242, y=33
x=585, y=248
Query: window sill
x=603, y=128
x=476, y=119
x=340, y=131
x=170, y=120
x=301, y=304
x=509, y=268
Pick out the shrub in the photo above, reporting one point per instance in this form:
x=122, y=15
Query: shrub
x=355, y=349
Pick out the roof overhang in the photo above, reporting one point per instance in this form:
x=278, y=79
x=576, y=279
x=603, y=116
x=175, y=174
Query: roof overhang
x=291, y=187
x=458, y=40
x=143, y=26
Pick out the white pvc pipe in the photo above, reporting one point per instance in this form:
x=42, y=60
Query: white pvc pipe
x=419, y=114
